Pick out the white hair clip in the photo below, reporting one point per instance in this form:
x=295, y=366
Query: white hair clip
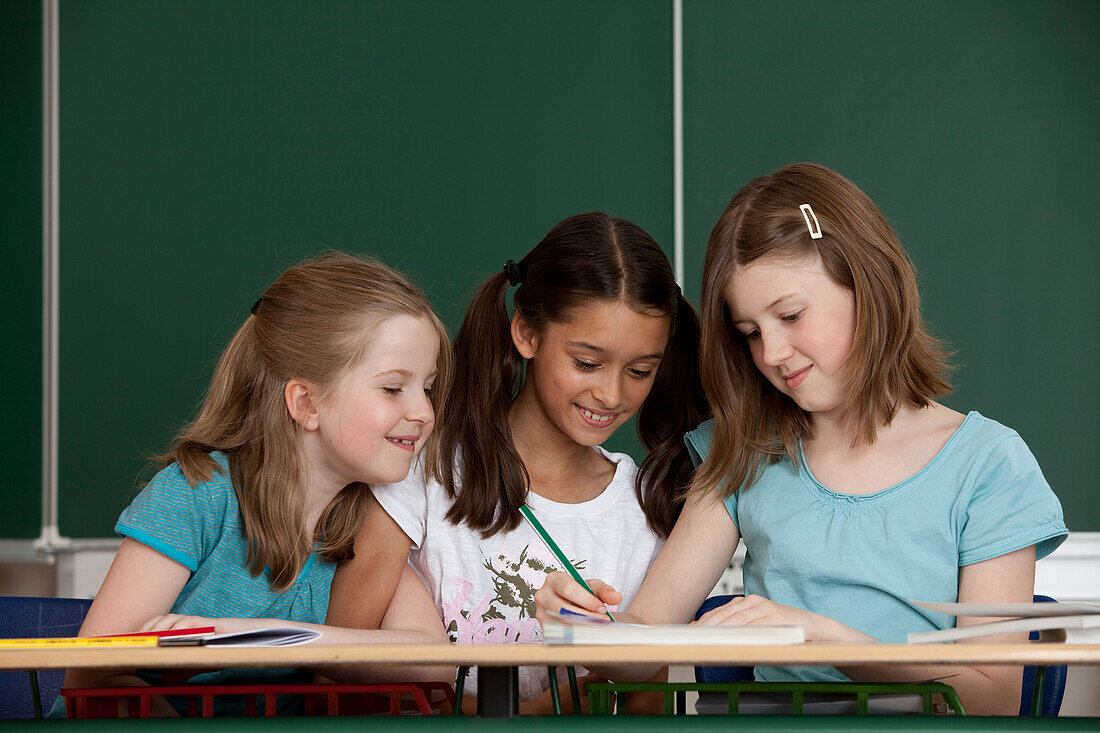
x=814, y=227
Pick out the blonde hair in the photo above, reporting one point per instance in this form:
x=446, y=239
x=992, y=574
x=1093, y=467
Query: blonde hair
x=313, y=323
x=893, y=359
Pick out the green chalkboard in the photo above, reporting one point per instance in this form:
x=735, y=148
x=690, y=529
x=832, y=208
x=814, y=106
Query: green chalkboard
x=975, y=126
x=209, y=145
x=21, y=271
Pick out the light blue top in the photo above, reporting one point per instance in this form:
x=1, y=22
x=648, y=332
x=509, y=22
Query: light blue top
x=860, y=559
x=201, y=528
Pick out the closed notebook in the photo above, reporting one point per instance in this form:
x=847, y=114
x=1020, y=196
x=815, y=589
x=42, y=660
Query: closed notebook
x=1021, y=610
x=576, y=629
x=1041, y=617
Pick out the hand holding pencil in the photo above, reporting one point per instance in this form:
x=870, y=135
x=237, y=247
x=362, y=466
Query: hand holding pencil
x=587, y=596
x=560, y=591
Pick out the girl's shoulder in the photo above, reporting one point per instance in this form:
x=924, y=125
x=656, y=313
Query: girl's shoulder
x=173, y=514
x=216, y=487
x=979, y=435
x=698, y=441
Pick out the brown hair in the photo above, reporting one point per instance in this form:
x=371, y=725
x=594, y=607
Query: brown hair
x=583, y=258
x=314, y=323
x=893, y=359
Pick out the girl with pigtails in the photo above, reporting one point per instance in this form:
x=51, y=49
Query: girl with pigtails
x=598, y=325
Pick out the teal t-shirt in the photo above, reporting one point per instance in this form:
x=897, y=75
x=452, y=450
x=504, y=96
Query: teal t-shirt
x=860, y=559
x=201, y=528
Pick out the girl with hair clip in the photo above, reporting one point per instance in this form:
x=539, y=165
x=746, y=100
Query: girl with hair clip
x=853, y=489
x=330, y=385
x=598, y=323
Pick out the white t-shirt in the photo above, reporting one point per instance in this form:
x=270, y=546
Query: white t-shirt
x=484, y=588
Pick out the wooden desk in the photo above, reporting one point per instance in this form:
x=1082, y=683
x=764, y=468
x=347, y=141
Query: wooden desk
x=502, y=659
x=536, y=654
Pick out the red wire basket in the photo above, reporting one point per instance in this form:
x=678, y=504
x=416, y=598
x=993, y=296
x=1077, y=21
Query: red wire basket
x=394, y=698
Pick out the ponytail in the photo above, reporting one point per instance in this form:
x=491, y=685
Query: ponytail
x=676, y=405
x=475, y=444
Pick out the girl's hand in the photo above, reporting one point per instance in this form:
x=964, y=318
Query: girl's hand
x=221, y=625
x=754, y=609
x=561, y=591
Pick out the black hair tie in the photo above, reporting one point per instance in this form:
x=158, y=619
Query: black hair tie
x=514, y=271
x=256, y=305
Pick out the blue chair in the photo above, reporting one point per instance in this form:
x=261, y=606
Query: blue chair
x=26, y=695
x=720, y=674
x=1045, y=701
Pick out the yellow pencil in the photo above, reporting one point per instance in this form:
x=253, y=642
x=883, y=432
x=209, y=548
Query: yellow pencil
x=78, y=641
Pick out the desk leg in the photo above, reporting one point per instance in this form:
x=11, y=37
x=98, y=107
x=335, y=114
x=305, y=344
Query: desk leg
x=498, y=692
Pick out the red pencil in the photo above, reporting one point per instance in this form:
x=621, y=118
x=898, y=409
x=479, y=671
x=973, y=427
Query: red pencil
x=167, y=632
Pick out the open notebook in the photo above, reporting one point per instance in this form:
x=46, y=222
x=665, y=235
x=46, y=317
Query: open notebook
x=272, y=636
x=569, y=628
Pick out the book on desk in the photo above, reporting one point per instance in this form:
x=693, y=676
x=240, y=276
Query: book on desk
x=204, y=636
x=271, y=636
x=580, y=629
x=1051, y=620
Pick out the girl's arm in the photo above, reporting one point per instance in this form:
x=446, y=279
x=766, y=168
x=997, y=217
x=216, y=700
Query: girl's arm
x=141, y=584
x=684, y=573
x=411, y=619
x=362, y=590
x=381, y=553
x=983, y=689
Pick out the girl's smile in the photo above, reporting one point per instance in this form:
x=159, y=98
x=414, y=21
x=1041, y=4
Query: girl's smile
x=793, y=380
x=404, y=442
x=597, y=418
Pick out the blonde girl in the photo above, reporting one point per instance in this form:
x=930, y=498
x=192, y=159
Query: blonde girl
x=853, y=489
x=330, y=385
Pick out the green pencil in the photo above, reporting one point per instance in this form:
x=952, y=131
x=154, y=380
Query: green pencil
x=555, y=550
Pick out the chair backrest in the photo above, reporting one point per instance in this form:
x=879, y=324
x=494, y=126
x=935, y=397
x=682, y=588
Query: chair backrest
x=720, y=674
x=22, y=618
x=1050, y=702
x=1054, y=682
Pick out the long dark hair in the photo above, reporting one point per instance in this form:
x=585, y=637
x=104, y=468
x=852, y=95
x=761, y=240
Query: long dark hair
x=583, y=258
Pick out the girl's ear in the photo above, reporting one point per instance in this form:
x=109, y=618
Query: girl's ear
x=299, y=402
x=524, y=337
